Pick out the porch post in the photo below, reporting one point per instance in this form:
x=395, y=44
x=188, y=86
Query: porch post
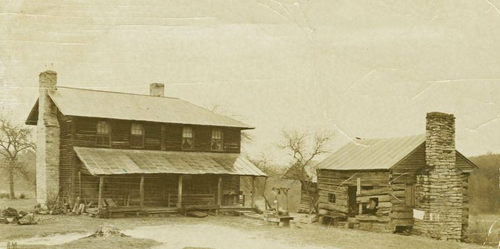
x=179, y=193
x=101, y=184
x=358, y=192
x=219, y=192
x=80, y=184
x=253, y=192
x=141, y=189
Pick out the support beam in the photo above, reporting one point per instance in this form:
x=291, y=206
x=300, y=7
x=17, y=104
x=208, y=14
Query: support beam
x=163, y=137
x=219, y=191
x=101, y=185
x=358, y=192
x=80, y=184
x=141, y=191
x=278, y=192
x=253, y=192
x=179, y=193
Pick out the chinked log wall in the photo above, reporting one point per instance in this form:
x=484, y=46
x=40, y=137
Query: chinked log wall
x=337, y=182
x=388, y=188
x=81, y=132
x=403, y=178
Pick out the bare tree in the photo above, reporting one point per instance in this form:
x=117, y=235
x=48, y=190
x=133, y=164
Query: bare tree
x=14, y=140
x=303, y=149
x=263, y=162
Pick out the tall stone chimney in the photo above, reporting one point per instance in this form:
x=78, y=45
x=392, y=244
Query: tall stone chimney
x=157, y=89
x=47, y=156
x=439, y=185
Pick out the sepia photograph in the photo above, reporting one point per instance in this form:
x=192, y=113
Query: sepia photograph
x=250, y=124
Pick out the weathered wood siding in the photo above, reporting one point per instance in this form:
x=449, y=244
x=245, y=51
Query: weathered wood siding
x=465, y=207
x=337, y=182
x=124, y=189
x=66, y=157
x=79, y=131
x=305, y=198
x=155, y=135
x=403, y=178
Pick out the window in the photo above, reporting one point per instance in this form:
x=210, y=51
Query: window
x=137, y=135
x=217, y=140
x=371, y=207
x=187, y=138
x=331, y=198
x=103, y=135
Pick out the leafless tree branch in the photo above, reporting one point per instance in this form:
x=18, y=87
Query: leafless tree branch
x=303, y=149
x=14, y=140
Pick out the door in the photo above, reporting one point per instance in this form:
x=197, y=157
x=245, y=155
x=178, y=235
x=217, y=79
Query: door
x=353, y=206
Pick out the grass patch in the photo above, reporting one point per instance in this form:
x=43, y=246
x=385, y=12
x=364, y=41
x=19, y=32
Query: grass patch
x=484, y=229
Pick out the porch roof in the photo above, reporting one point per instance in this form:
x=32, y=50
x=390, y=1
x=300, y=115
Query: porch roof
x=102, y=161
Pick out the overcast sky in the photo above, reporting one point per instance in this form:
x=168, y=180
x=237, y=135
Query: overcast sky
x=369, y=69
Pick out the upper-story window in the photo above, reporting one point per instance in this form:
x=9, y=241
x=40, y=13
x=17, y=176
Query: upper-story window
x=187, y=138
x=103, y=135
x=137, y=135
x=217, y=140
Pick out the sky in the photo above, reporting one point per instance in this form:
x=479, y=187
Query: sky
x=368, y=69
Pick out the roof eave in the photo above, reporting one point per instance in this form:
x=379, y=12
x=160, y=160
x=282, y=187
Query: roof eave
x=32, y=118
x=474, y=166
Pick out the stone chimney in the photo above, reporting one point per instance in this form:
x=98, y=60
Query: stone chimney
x=47, y=156
x=440, y=140
x=439, y=185
x=157, y=89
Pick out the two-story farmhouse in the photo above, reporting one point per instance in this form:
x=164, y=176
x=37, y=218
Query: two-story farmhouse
x=418, y=182
x=135, y=152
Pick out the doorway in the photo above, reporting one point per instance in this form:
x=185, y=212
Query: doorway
x=353, y=206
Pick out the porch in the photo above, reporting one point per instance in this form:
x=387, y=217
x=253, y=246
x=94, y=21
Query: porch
x=110, y=179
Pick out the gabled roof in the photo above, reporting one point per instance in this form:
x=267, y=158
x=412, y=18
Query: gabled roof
x=102, y=161
x=295, y=172
x=125, y=106
x=372, y=154
x=382, y=154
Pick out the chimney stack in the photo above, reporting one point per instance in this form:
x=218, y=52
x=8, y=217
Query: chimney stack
x=440, y=140
x=157, y=89
x=439, y=186
x=47, y=156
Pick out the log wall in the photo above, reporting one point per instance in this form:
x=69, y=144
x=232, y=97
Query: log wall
x=155, y=133
x=79, y=131
x=125, y=189
x=338, y=183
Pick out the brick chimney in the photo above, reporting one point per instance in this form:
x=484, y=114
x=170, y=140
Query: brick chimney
x=439, y=185
x=47, y=156
x=157, y=89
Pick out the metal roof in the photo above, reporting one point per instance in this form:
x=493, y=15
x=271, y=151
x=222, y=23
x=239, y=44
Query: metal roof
x=372, y=154
x=101, y=161
x=126, y=106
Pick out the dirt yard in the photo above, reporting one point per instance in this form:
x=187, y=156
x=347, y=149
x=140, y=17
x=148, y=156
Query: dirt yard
x=220, y=232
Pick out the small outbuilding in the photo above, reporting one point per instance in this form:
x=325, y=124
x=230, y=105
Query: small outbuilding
x=308, y=184
x=417, y=183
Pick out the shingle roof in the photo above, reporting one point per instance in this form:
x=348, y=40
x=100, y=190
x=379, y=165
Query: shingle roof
x=113, y=105
x=372, y=154
x=101, y=161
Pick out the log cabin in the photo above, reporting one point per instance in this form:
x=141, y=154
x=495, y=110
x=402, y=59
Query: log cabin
x=135, y=153
x=415, y=184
